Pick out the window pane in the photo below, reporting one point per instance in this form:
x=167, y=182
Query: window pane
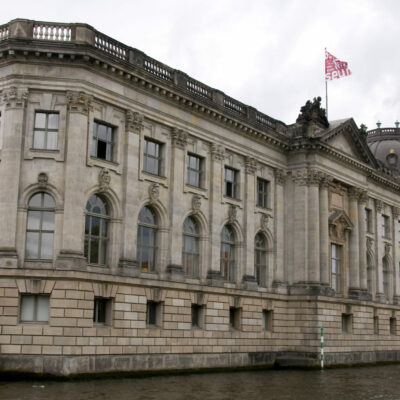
x=42, y=308
x=34, y=220
x=103, y=252
x=40, y=120
x=95, y=226
x=27, y=308
x=35, y=200
x=48, y=201
x=47, y=220
x=102, y=132
x=94, y=252
x=46, y=251
x=38, y=140
x=32, y=245
x=51, y=141
x=52, y=121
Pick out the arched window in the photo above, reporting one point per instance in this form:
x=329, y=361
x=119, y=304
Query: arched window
x=146, y=239
x=190, y=254
x=96, y=230
x=228, y=253
x=260, y=259
x=40, y=227
x=370, y=272
x=385, y=275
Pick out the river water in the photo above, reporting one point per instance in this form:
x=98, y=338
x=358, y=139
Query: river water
x=365, y=383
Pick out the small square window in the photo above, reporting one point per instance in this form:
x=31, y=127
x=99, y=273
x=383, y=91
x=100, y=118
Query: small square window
x=347, y=323
x=393, y=326
x=34, y=308
x=45, y=130
x=152, y=157
x=262, y=193
x=267, y=320
x=194, y=170
x=102, y=311
x=103, y=141
x=154, y=314
x=197, y=316
x=231, y=183
x=234, y=317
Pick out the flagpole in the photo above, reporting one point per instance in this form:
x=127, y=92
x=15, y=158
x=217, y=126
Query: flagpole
x=326, y=90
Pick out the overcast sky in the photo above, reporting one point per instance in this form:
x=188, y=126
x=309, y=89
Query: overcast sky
x=266, y=53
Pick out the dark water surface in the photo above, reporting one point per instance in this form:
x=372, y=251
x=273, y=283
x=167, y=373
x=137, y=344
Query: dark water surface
x=364, y=383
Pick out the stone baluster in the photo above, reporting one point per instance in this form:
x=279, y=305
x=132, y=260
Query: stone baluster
x=362, y=240
x=324, y=230
x=354, y=242
x=15, y=103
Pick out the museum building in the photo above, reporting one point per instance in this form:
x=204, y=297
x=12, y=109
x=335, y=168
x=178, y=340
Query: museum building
x=150, y=222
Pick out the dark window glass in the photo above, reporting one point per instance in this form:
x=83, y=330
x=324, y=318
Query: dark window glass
x=228, y=253
x=146, y=239
x=100, y=310
x=196, y=315
x=262, y=193
x=103, y=141
x=153, y=311
x=260, y=259
x=231, y=183
x=336, y=252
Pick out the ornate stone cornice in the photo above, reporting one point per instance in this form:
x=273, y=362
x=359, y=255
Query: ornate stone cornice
x=14, y=97
x=379, y=205
x=79, y=102
x=217, y=152
x=280, y=176
x=134, y=121
x=179, y=138
x=250, y=165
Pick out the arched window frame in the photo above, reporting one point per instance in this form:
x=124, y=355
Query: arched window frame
x=40, y=227
x=261, y=259
x=191, y=247
x=98, y=240
x=228, y=253
x=149, y=229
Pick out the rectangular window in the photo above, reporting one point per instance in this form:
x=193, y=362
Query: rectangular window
x=152, y=157
x=376, y=325
x=45, y=130
x=262, y=193
x=336, y=251
x=231, y=183
x=393, y=326
x=154, y=314
x=368, y=220
x=234, y=317
x=385, y=226
x=267, y=320
x=197, y=316
x=102, y=311
x=347, y=323
x=103, y=141
x=34, y=308
x=194, y=170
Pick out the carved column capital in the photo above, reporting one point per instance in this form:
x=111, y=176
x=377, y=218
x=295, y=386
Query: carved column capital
x=217, y=152
x=313, y=177
x=134, y=121
x=363, y=197
x=396, y=212
x=250, y=165
x=300, y=176
x=378, y=205
x=280, y=176
x=326, y=180
x=79, y=102
x=14, y=97
x=354, y=193
x=179, y=138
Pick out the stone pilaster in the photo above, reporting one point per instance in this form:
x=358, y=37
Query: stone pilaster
x=354, y=243
x=216, y=212
x=362, y=241
x=378, y=250
x=176, y=211
x=396, y=255
x=71, y=254
x=133, y=128
x=324, y=230
x=15, y=104
x=279, y=229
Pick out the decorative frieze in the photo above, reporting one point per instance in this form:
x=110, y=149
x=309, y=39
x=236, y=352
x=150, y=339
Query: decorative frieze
x=134, y=121
x=15, y=98
x=179, y=138
x=79, y=102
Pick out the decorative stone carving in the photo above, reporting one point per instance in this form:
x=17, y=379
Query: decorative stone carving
x=313, y=177
x=396, y=212
x=280, y=176
x=232, y=213
x=300, y=176
x=179, y=138
x=326, y=180
x=379, y=205
x=387, y=249
x=264, y=221
x=217, y=152
x=104, y=179
x=363, y=197
x=14, y=98
x=312, y=118
x=43, y=179
x=134, y=121
x=250, y=165
x=339, y=225
x=196, y=204
x=370, y=244
x=354, y=193
x=154, y=192
x=79, y=102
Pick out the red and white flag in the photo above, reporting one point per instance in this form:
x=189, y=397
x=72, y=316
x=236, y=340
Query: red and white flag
x=334, y=68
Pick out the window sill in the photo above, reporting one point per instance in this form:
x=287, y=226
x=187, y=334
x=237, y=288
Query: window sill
x=102, y=160
x=49, y=151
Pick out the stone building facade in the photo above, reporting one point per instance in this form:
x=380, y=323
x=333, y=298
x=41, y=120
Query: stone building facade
x=150, y=222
